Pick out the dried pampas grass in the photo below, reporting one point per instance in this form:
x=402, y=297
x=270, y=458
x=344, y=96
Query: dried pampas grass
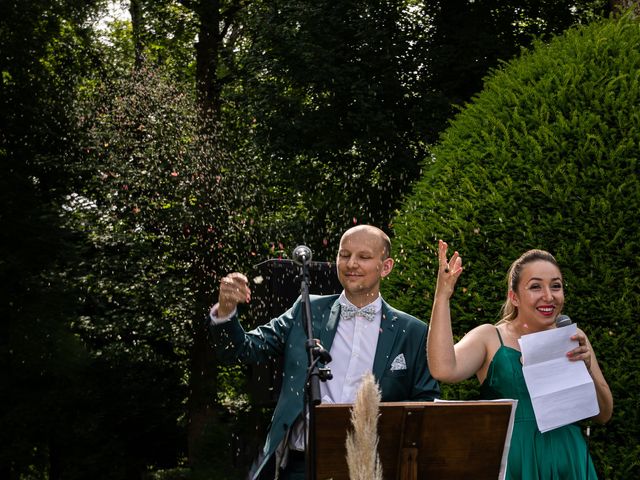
x=362, y=444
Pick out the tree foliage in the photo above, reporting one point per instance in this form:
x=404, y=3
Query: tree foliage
x=544, y=157
x=341, y=116
x=347, y=115
x=165, y=215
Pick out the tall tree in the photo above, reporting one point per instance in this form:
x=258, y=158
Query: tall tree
x=135, y=11
x=214, y=24
x=165, y=212
x=218, y=26
x=43, y=44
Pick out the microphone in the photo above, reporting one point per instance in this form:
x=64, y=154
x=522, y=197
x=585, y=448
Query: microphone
x=563, y=321
x=302, y=255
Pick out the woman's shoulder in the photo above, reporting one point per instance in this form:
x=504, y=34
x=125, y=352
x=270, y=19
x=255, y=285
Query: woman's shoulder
x=483, y=336
x=486, y=331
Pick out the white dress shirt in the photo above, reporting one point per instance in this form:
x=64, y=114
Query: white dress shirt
x=352, y=352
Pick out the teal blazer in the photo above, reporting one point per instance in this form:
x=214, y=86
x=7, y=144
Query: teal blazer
x=285, y=336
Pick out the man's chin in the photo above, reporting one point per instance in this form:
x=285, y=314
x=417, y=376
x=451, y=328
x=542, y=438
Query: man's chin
x=354, y=289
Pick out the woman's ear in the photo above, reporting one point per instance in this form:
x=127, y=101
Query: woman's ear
x=513, y=297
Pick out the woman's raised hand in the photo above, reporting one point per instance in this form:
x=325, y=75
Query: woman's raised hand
x=448, y=270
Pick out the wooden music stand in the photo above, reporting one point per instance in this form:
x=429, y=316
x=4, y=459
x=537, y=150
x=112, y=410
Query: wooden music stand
x=422, y=440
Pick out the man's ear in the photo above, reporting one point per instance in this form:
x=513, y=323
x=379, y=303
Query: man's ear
x=387, y=266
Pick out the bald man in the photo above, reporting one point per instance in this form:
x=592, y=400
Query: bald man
x=361, y=331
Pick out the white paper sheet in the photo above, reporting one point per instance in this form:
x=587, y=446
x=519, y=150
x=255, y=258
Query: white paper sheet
x=562, y=391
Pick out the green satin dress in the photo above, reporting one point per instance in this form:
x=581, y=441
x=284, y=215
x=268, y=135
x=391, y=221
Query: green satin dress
x=559, y=454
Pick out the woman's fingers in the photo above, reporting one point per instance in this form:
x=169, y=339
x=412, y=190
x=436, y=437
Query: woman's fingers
x=582, y=352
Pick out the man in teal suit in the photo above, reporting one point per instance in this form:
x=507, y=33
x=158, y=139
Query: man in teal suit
x=360, y=330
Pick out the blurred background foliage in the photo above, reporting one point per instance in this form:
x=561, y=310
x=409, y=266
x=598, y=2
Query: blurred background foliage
x=149, y=147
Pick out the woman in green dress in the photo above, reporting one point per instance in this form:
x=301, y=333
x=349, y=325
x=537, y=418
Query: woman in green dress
x=534, y=300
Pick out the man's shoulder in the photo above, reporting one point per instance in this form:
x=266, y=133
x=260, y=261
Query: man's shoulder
x=404, y=316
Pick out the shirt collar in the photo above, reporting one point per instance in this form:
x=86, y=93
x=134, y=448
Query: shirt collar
x=377, y=303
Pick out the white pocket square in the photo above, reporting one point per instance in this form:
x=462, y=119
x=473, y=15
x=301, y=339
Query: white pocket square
x=398, y=363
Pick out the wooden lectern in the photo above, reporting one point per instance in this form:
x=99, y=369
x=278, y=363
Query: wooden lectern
x=422, y=440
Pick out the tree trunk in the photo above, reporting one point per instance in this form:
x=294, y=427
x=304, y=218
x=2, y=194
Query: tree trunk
x=135, y=10
x=202, y=395
x=208, y=57
x=204, y=411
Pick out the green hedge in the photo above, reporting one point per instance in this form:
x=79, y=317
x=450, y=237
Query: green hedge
x=546, y=156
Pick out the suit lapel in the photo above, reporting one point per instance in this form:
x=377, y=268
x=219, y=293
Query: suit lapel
x=386, y=339
x=329, y=326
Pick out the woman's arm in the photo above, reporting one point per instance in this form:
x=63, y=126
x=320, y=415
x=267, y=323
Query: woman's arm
x=448, y=362
x=585, y=353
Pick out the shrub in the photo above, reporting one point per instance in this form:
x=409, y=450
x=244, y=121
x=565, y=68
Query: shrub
x=546, y=156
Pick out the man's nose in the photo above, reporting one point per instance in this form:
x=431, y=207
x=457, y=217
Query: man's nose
x=353, y=261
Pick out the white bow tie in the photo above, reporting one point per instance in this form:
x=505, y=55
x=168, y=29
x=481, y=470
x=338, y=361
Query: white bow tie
x=347, y=312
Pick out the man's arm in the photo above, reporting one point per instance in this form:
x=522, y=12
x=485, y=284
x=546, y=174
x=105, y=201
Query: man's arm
x=235, y=345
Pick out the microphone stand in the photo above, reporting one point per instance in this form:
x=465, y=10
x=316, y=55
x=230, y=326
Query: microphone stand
x=315, y=353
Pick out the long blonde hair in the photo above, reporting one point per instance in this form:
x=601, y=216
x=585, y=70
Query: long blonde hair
x=509, y=311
